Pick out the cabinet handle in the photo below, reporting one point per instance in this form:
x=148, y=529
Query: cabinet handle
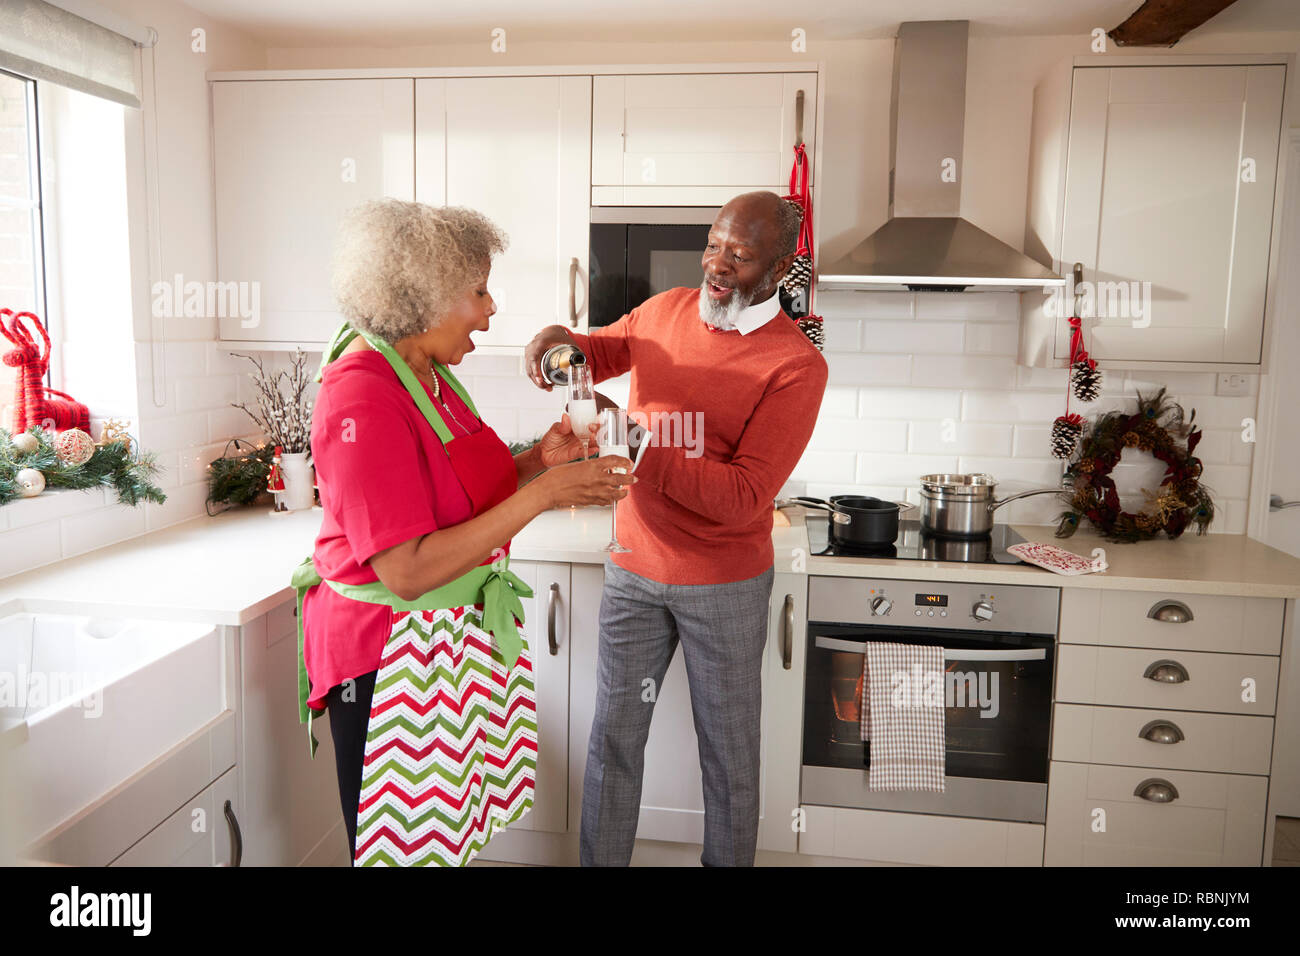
x=236, y=837
x=1167, y=672
x=1162, y=732
x=1170, y=612
x=798, y=118
x=1156, y=790
x=787, y=632
x=551, y=599
x=573, y=292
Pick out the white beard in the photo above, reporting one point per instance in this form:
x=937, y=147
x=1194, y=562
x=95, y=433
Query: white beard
x=722, y=316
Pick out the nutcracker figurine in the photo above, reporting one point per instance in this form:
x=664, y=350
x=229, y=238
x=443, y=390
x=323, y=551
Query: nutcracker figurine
x=275, y=481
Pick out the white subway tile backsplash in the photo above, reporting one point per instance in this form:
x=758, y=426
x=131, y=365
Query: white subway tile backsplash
x=30, y=547
x=865, y=305
x=80, y=534
x=1182, y=383
x=992, y=338
x=859, y=434
x=961, y=438
x=53, y=505
x=840, y=402
x=1221, y=412
x=901, y=470
x=963, y=371
x=1010, y=406
x=864, y=370
x=970, y=307
x=912, y=337
x=1044, y=378
x=834, y=467
x=206, y=392
x=1031, y=441
x=910, y=403
x=842, y=335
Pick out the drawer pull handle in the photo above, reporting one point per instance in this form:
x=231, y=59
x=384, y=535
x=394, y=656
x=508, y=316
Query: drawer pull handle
x=1170, y=612
x=1156, y=790
x=1162, y=732
x=1167, y=672
x=552, y=597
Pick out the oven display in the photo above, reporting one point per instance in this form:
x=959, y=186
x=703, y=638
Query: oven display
x=932, y=600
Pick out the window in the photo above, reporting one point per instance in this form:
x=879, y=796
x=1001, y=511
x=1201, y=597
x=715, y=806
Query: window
x=22, y=272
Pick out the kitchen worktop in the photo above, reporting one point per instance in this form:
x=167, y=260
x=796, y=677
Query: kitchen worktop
x=235, y=567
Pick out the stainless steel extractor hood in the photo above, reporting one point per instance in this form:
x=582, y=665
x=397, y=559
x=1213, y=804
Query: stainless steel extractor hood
x=926, y=245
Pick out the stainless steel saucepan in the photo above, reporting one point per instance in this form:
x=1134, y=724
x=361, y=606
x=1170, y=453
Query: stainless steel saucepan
x=962, y=506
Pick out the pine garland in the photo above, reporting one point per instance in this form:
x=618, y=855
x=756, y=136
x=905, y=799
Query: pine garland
x=112, y=466
x=239, y=479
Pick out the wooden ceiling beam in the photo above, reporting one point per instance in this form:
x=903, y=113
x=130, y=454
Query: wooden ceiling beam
x=1165, y=22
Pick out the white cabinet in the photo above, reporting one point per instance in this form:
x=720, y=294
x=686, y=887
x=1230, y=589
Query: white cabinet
x=517, y=149
x=546, y=625
x=204, y=832
x=1163, y=189
x=290, y=157
x=291, y=814
x=696, y=139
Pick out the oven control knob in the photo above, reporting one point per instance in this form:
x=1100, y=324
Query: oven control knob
x=880, y=606
x=982, y=611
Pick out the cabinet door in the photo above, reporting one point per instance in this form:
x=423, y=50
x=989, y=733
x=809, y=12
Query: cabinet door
x=290, y=156
x=291, y=801
x=198, y=834
x=546, y=616
x=1170, y=181
x=696, y=139
x=517, y=149
x=783, y=672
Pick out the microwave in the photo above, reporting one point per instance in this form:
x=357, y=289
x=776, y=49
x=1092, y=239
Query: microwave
x=639, y=251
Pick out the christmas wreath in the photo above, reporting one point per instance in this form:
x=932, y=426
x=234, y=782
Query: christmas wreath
x=1158, y=427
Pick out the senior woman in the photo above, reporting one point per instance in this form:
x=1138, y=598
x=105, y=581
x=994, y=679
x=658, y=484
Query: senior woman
x=407, y=607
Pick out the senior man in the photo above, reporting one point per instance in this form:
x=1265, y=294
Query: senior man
x=698, y=525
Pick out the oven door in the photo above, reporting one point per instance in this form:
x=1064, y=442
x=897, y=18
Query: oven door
x=637, y=252
x=997, y=719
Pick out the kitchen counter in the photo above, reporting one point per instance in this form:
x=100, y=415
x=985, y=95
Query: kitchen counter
x=235, y=567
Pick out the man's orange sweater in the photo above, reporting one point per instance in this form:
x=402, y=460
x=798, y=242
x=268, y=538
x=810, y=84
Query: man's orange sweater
x=707, y=518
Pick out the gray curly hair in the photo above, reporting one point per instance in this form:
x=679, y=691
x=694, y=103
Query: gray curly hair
x=397, y=264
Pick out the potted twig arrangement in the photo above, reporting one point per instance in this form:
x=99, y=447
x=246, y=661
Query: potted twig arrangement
x=283, y=412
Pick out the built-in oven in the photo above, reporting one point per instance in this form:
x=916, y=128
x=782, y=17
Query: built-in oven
x=640, y=251
x=998, y=656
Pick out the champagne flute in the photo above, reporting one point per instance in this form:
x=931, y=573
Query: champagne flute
x=582, y=404
x=611, y=439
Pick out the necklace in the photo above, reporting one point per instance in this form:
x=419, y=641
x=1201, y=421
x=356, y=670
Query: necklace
x=437, y=394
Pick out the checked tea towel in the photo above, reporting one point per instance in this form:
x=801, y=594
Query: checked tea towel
x=903, y=698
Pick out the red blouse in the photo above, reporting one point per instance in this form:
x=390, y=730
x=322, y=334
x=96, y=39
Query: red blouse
x=384, y=478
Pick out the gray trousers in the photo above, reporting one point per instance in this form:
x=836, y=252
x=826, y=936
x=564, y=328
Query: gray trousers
x=722, y=629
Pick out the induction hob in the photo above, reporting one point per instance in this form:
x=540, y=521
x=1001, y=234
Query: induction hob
x=915, y=545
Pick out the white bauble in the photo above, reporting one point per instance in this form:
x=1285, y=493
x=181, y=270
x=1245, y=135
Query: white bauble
x=30, y=482
x=26, y=443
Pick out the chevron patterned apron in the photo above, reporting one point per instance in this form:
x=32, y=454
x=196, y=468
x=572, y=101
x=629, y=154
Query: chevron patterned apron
x=451, y=744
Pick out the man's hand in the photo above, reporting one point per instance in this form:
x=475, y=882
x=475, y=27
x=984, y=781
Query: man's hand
x=543, y=340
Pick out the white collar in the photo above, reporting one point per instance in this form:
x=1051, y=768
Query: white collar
x=758, y=315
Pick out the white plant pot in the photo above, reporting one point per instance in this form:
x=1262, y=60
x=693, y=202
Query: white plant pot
x=299, y=482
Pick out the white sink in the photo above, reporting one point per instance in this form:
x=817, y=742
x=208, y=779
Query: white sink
x=81, y=700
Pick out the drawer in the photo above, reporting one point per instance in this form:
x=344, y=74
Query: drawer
x=919, y=838
x=1213, y=682
x=1216, y=819
x=1217, y=622
x=1219, y=743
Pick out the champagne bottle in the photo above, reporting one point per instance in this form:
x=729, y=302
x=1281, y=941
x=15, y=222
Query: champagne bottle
x=556, y=361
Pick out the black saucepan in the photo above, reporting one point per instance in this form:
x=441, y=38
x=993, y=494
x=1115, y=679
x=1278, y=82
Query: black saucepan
x=857, y=520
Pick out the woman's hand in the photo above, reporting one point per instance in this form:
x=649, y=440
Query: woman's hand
x=590, y=482
x=560, y=445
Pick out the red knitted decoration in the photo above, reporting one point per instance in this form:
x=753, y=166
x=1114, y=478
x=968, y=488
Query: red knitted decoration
x=32, y=402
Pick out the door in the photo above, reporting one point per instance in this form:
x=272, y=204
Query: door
x=546, y=625
x=290, y=157
x=1170, y=181
x=783, y=668
x=517, y=149
x=696, y=139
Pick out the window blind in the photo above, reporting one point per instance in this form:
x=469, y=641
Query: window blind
x=45, y=42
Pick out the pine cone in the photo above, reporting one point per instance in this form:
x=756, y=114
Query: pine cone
x=1085, y=380
x=1065, y=435
x=813, y=329
x=798, y=205
x=799, y=275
